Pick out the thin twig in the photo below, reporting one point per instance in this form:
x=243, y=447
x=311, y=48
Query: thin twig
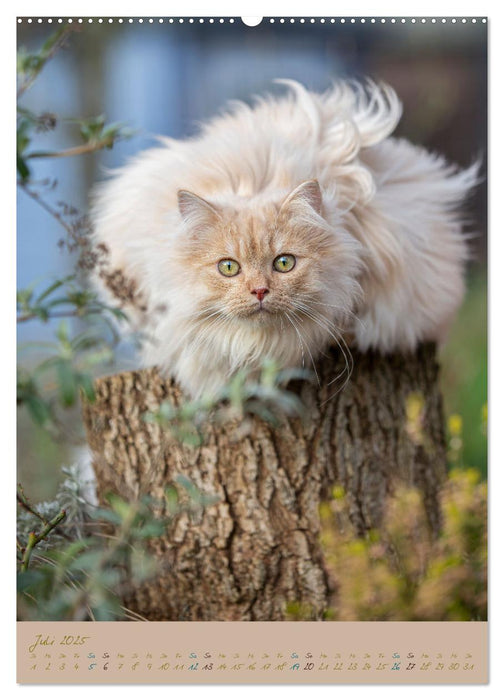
x=55, y=47
x=56, y=215
x=25, y=503
x=57, y=314
x=34, y=538
x=75, y=151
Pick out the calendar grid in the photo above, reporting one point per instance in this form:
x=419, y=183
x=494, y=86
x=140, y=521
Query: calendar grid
x=174, y=652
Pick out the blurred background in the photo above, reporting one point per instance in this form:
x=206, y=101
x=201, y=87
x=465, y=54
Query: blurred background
x=167, y=78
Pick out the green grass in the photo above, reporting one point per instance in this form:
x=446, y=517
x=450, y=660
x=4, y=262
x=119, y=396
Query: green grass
x=464, y=371
x=39, y=459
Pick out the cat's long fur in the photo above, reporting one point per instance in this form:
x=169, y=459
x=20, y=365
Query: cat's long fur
x=373, y=221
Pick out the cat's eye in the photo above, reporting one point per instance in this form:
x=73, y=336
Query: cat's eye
x=228, y=268
x=284, y=263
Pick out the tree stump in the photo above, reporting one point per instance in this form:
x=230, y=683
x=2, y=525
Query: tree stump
x=257, y=549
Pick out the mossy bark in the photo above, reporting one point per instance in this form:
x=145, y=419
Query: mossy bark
x=257, y=549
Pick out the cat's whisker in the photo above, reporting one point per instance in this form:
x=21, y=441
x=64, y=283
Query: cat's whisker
x=349, y=363
x=218, y=316
x=347, y=355
x=307, y=309
x=301, y=344
x=345, y=351
x=299, y=332
x=192, y=319
x=342, y=351
x=347, y=312
x=309, y=352
x=203, y=333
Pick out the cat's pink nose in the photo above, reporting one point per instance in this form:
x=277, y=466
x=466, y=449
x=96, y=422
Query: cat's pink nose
x=260, y=292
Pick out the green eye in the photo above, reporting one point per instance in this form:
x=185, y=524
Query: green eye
x=284, y=263
x=228, y=268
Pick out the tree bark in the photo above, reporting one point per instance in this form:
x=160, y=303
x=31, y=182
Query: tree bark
x=257, y=549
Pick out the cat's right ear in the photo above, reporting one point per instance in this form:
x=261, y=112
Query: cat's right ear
x=196, y=210
x=307, y=193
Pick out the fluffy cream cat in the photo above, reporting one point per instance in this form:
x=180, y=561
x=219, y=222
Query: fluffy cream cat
x=281, y=229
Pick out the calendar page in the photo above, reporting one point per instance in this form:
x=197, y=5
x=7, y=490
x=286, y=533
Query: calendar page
x=252, y=349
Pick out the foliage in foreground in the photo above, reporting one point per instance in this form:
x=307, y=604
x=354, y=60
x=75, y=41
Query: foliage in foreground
x=402, y=572
x=71, y=566
x=243, y=396
x=51, y=376
x=464, y=371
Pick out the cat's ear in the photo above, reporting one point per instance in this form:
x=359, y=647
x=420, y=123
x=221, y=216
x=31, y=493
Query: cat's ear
x=196, y=210
x=307, y=193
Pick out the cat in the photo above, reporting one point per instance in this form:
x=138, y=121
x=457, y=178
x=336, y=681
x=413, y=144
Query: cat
x=283, y=228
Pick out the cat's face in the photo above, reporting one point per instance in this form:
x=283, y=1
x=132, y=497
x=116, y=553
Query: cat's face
x=278, y=265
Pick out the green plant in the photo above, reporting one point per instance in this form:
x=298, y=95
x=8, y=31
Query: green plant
x=244, y=395
x=78, y=562
x=404, y=573
x=52, y=375
x=463, y=374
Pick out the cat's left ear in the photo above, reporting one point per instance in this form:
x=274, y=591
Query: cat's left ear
x=307, y=192
x=195, y=209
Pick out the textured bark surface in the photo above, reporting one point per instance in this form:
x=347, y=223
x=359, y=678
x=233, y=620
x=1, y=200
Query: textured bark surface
x=257, y=548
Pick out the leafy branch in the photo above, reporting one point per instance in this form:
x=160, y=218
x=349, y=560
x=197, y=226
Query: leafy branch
x=244, y=395
x=97, y=135
x=94, y=131
x=48, y=208
x=88, y=578
x=34, y=538
x=71, y=302
x=25, y=503
x=62, y=375
x=29, y=65
x=65, y=370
